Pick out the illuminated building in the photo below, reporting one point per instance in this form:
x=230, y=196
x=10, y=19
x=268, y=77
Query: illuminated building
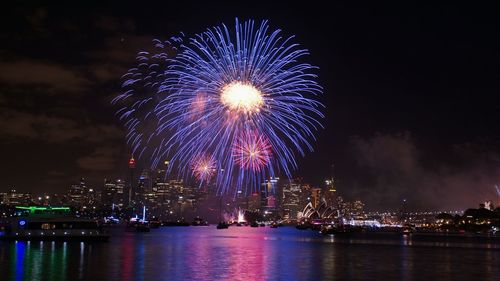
x=315, y=196
x=3, y=198
x=13, y=197
x=291, y=199
x=146, y=181
x=254, y=202
x=330, y=192
x=131, y=189
x=113, y=193
x=80, y=195
x=268, y=200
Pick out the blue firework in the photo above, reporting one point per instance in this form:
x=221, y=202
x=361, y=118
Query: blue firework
x=222, y=86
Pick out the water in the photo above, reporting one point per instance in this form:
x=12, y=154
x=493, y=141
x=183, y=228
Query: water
x=245, y=253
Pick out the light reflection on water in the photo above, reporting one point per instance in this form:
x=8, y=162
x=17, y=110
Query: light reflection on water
x=244, y=253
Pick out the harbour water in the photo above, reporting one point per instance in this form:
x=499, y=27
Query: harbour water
x=245, y=253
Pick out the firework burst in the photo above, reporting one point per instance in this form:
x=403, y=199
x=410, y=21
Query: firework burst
x=235, y=94
x=203, y=167
x=252, y=151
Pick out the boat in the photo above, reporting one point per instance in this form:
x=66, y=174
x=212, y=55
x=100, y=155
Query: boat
x=262, y=225
x=199, y=222
x=181, y=222
x=328, y=229
x=222, y=225
x=274, y=225
x=254, y=224
x=407, y=229
x=51, y=223
x=337, y=229
x=138, y=225
x=154, y=223
x=303, y=225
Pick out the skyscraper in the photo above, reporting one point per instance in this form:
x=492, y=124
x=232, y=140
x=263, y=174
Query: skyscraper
x=330, y=191
x=291, y=199
x=79, y=195
x=131, y=189
x=113, y=193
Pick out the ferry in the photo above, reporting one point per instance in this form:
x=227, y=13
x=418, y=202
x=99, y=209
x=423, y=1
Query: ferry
x=51, y=223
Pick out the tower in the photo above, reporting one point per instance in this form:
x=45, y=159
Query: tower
x=131, y=191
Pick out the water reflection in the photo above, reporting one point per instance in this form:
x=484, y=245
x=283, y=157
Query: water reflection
x=204, y=253
x=31, y=261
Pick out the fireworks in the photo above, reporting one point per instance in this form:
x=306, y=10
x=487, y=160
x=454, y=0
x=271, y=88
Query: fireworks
x=203, y=167
x=242, y=96
x=252, y=151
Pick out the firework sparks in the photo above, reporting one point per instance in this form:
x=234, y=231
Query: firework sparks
x=203, y=167
x=252, y=151
x=235, y=94
x=241, y=97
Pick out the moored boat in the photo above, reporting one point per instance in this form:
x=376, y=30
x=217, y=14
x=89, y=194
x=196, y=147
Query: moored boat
x=199, y=222
x=51, y=223
x=222, y=225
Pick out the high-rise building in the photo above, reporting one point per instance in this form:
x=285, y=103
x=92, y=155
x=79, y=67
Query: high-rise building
x=13, y=197
x=113, y=193
x=268, y=197
x=254, y=202
x=291, y=199
x=330, y=190
x=3, y=198
x=315, y=197
x=146, y=181
x=242, y=200
x=143, y=188
x=79, y=194
x=132, y=184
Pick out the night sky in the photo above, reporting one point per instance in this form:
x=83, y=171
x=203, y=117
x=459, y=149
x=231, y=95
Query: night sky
x=410, y=93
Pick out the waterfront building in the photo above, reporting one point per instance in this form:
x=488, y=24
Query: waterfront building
x=291, y=195
x=330, y=192
x=13, y=197
x=76, y=193
x=254, y=202
x=316, y=196
x=268, y=197
x=113, y=193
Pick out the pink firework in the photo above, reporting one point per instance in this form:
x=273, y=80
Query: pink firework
x=252, y=151
x=197, y=107
x=203, y=167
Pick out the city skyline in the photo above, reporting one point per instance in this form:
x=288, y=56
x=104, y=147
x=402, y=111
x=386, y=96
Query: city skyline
x=405, y=118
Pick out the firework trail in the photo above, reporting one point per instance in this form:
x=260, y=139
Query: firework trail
x=242, y=96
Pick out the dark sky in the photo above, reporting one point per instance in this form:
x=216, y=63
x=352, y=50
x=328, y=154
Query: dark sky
x=410, y=93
